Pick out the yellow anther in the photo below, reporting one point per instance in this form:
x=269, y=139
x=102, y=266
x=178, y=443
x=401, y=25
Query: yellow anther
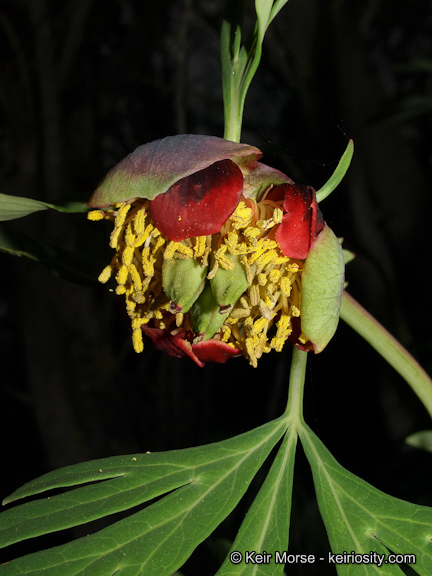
x=136, y=323
x=244, y=302
x=139, y=221
x=231, y=240
x=295, y=311
x=159, y=243
x=115, y=236
x=283, y=331
x=122, y=275
x=184, y=250
x=147, y=262
x=137, y=340
x=241, y=217
x=127, y=255
x=136, y=278
x=267, y=258
x=138, y=297
x=170, y=250
x=150, y=230
x=294, y=267
x=239, y=313
x=274, y=275
x=129, y=235
x=179, y=248
x=95, y=215
x=251, y=232
x=179, y=319
x=262, y=246
x=200, y=246
x=248, y=269
x=121, y=289
x=262, y=279
x=265, y=311
x=121, y=214
x=106, y=274
x=254, y=294
x=222, y=259
x=285, y=286
x=226, y=333
x=277, y=215
x=259, y=326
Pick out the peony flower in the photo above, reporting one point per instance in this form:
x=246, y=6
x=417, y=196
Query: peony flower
x=216, y=254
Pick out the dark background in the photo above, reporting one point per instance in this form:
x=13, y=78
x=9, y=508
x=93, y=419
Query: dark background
x=82, y=84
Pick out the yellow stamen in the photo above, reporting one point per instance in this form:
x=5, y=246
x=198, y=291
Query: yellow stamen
x=273, y=295
x=95, y=215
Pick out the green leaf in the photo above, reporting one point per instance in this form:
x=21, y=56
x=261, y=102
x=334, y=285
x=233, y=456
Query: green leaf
x=361, y=519
x=266, y=526
x=263, y=9
x=422, y=440
x=338, y=174
x=240, y=62
x=204, y=485
x=12, y=207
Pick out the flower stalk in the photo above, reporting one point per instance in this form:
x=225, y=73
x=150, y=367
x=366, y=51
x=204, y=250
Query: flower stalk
x=390, y=349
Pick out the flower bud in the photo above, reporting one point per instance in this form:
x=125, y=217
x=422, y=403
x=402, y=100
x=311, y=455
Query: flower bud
x=183, y=281
x=228, y=285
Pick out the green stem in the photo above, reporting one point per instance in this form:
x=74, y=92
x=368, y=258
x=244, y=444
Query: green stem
x=294, y=409
x=389, y=348
x=233, y=120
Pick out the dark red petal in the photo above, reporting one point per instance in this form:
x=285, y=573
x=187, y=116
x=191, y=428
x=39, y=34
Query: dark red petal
x=302, y=220
x=174, y=345
x=214, y=351
x=199, y=204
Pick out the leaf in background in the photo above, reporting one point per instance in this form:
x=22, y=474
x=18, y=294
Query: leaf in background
x=338, y=174
x=240, y=62
x=360, y=518
x=204, y=485
x=12, y=207
x=422, y=440
x=266, y=526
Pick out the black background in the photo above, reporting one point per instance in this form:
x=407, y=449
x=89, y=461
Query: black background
x=82, y=84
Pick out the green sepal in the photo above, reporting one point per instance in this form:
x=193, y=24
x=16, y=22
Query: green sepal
x=228, y=285
x=322, y=287
x=206, y=318
x=183, y=281
x=154, y=167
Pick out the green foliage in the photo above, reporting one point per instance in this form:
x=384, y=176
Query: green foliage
x=422, y=440
x=340, y=171
x=360, y=518
x=12, y=207
x=240, y=62
x=191, y=491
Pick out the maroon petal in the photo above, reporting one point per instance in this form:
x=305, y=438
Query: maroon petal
x=302, y=220
x=178, y=346
x=152, y=168
x=174, y=345
x=214, y=351
x=199, y=204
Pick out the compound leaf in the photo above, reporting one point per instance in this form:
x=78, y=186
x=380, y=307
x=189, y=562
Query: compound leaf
x=266, y=526
x=204, y=484
x=361, y=519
